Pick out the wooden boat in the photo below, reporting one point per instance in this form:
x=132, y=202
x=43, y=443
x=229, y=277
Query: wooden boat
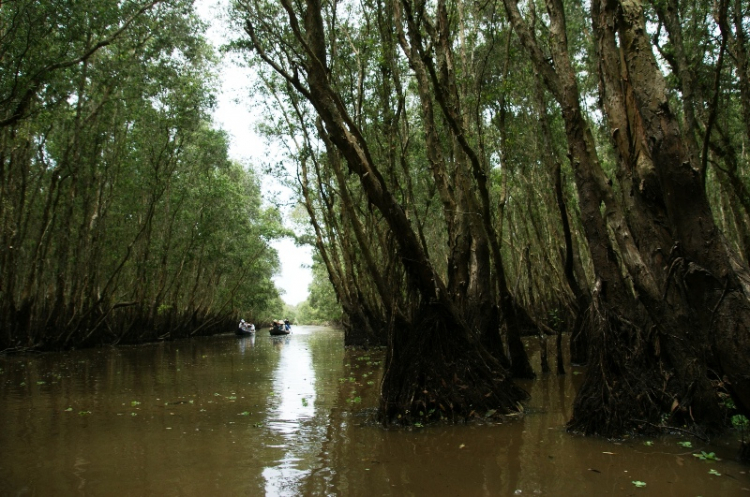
x=278, y=329
x=245, y=329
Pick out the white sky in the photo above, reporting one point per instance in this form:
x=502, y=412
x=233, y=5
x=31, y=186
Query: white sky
x=234, y=115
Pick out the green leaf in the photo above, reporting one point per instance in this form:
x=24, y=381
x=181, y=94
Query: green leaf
x=639, y=484
x=713, y=472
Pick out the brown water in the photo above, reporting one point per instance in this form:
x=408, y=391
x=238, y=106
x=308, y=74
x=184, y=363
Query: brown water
x=289, y=416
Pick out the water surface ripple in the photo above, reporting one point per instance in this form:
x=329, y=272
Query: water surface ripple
x=290, y=416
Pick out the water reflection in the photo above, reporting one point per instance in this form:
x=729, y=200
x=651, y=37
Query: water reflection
x=246, y=342
x=290, y=414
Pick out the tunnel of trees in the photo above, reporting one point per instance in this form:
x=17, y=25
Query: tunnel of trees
x=471, y=173
x=475, y=172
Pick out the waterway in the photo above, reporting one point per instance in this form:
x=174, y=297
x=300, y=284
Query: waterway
x=292, y=416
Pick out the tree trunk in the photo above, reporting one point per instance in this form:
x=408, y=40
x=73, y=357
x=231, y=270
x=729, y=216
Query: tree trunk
x=434, y=366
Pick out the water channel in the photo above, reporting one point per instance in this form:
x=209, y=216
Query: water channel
x=291, y=416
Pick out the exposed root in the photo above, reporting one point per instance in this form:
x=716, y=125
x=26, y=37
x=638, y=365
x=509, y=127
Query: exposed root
x=624, y=383
x=438, y=370
x=642, y=380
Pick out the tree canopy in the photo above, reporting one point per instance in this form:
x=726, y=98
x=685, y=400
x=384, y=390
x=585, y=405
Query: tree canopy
x=122, y=218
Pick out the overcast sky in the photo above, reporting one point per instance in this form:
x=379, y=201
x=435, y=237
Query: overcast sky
x=233, y=114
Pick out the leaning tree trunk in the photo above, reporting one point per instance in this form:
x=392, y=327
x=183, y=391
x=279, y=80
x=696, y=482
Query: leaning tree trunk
x=700, y=282
x=445, y=91
x=457, y=377
x=622, y=386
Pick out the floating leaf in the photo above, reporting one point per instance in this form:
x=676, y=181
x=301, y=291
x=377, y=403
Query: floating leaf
x=41, y=382
x=706, y=456
x=687, y=445
x=639, y=484
x=609, y=453
x=713, y=472
x=245, y=413
x=648, y=443
x=490, y=413
x=134, y=403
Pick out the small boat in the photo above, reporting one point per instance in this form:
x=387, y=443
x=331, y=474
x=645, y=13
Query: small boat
x=245, y=329
x=279, y=329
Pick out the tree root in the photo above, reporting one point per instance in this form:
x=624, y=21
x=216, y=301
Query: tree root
x=624, y=383
x=438, y=370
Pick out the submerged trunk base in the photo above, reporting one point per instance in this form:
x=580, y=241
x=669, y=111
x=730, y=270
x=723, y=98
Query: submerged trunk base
x=622, y=393
x=439, y=371
x=635, y=389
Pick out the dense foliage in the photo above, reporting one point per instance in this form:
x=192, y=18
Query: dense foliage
x=122, y=218
x=474, y=172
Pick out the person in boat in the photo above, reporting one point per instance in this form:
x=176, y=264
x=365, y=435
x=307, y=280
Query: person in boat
x=241, y=328
x=287, y=325
x=251, y=328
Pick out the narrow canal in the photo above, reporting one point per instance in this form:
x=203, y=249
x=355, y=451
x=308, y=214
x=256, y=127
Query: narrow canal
x=291, y=416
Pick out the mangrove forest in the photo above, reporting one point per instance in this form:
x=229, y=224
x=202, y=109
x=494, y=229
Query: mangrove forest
x=472, y=175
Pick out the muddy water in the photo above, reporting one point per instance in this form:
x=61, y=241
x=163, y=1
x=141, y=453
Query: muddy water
x=289, y=416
